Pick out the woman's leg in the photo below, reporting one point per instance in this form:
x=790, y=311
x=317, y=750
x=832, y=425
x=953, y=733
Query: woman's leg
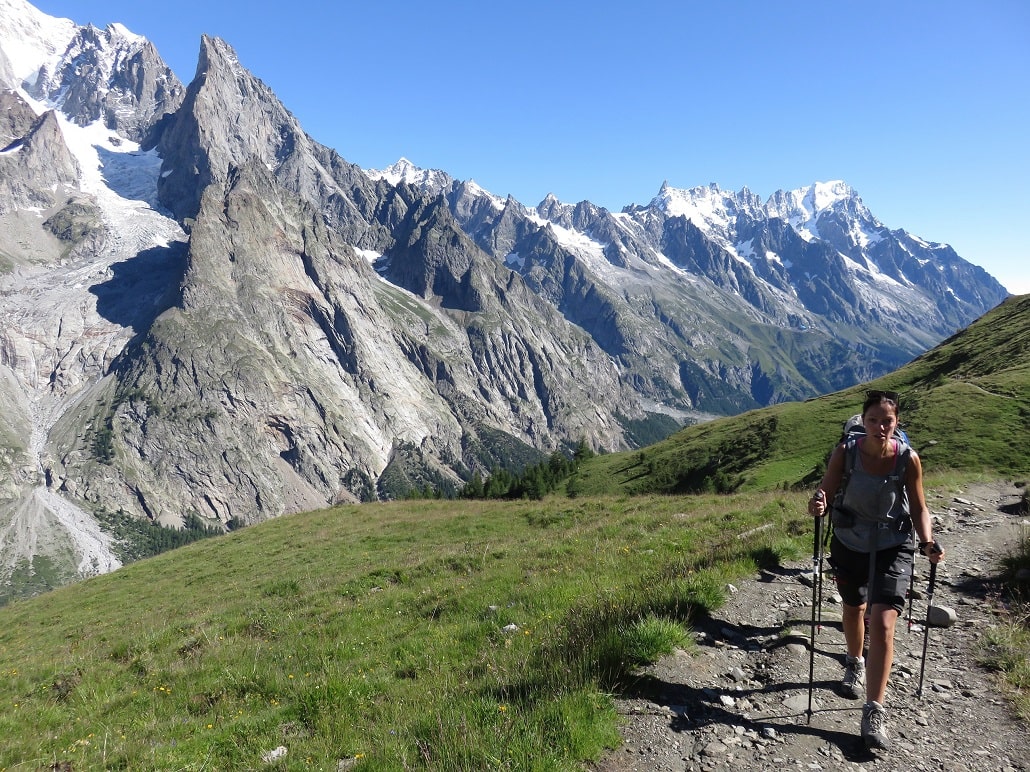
x=882, y=620
x=853, y=619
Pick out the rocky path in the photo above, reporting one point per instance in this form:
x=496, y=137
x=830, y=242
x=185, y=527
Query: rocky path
x=740, y=702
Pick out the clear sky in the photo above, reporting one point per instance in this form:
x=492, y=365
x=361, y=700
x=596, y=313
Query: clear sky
x=922, y=106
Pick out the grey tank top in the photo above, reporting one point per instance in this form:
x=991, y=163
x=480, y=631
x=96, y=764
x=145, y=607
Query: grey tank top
x=874, y=512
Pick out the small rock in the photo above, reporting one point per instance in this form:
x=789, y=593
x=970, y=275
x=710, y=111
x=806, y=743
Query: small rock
x=797, y=649
x=941, y=616
x=512, y=628
x=274, y=755
x=715, y=748
x=799, y=703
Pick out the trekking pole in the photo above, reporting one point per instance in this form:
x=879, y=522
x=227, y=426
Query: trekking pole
x=819, y=581
x=926, y=628
x=911, y=587
x=817, y=561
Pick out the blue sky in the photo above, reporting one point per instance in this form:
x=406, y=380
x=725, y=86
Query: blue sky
x=922, y=106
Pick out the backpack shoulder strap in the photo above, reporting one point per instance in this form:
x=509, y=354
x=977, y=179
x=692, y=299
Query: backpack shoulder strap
x=904, y=453
x=901, y=463
x=850, y=459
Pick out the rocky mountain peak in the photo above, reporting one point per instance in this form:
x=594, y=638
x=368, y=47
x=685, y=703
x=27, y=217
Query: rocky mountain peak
x=803, y=207
x=228, y=117
x=37, y=169
x=431, y=181
x=109, y=75
x=16, y=118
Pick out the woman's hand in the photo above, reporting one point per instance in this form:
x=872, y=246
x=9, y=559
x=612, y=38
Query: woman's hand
x=932, y=550
x=817, y=504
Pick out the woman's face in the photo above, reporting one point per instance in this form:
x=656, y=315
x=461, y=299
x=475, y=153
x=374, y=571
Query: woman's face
x=880, y=421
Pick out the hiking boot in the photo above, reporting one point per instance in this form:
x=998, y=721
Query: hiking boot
x=874, y=726
x=853, y=685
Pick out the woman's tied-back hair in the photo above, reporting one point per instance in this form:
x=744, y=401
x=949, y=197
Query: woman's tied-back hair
x=879, y=397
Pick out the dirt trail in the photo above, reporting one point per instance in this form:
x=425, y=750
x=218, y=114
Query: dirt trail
x=741, y=702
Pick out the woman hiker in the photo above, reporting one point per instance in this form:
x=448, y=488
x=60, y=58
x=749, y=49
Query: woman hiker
x=875, y=484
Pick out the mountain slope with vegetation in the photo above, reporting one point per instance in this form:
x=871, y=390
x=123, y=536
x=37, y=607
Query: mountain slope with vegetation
x=965, y=405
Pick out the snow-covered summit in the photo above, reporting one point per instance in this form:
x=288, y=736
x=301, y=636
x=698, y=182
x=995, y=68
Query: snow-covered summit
x=431, y=181
x=405, y=171
x=708, y=206
x=30, y=40
x=802, y=209
x=84, y=72
x=105, y=51
x=807, y=203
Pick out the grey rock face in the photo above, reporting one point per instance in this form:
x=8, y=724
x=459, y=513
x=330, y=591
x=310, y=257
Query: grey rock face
x=16, y=118
x=229, y=118
x=37, y=168
x=288, y=349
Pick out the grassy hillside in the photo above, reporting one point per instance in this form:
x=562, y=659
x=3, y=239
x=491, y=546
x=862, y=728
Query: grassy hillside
x=435, y=635
x=965, y=405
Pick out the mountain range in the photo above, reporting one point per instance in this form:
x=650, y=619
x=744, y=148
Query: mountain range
x=210, y=317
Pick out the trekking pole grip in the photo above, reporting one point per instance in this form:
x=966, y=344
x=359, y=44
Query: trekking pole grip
x=820, y=497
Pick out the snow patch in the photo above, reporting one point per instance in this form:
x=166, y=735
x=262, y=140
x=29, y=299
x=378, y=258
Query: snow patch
x=823, y=195
x=746, y=249
x=370, y=255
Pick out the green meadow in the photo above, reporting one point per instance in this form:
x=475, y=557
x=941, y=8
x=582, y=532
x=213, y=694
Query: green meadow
x=444, y=635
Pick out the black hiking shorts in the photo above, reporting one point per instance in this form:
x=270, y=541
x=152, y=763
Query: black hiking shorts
x=891, y=576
